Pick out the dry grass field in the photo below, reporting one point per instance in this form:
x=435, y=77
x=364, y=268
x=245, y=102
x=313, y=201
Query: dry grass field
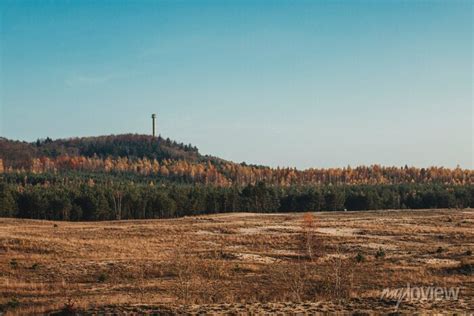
x=237, y=263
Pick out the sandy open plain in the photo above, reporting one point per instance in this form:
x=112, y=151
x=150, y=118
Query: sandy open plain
x=238, y=263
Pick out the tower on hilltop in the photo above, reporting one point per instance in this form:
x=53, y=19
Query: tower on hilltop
x=153, y=120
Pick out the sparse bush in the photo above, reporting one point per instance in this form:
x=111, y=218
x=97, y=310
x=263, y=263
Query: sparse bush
x=69, y=307
x=34, y=266
x=468, y=253
x=359, y=257
x=380, y=254
x=184, y=271
x=102, y=278
x=198, y=280
x=211, y=280
x=241, y=269
x=439, y=250
x=464, y=268
x=338, y=280
x=342, y=274
x=303, y=280
x=13, y=263
x=14, y=302
x=291, y=281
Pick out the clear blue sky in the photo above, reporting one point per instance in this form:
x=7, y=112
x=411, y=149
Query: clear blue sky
x=288, y=83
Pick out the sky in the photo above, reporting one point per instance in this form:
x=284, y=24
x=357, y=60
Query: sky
x=279, y=83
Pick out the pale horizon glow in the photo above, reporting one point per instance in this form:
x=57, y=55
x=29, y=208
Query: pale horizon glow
x=281, y=83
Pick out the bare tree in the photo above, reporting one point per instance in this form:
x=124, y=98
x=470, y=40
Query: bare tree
x=117, y=197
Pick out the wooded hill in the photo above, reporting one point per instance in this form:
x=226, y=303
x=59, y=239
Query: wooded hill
x=137, y=176
x=17, y=154
x=163, y=159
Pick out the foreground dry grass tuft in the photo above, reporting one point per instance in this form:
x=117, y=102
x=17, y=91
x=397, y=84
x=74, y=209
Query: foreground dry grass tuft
x=235, y=263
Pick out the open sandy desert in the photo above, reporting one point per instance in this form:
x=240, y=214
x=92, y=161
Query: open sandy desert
x=239, y=263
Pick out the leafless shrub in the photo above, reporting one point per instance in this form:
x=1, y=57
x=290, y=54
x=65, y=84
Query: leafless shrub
x=198, y=279
x=291, y=280
x=213, y=275
x=70, y=307
x=298, y=278
x=337, y=282
x=184, y=265
x=310, y=244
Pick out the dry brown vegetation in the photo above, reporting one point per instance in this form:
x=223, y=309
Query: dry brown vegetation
x=237, y=263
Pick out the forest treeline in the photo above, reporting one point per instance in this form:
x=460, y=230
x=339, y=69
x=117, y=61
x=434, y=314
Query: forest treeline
x=137, y=176
x=89, y=200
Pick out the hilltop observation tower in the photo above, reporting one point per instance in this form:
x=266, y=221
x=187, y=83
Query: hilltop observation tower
x=153, y=122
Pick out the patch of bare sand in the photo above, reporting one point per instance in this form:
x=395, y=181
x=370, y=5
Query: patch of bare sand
x=440, y=262
x=251, y=230
x=272, y=229
x=239, y=215
x=205, y=232
x=339, y=231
